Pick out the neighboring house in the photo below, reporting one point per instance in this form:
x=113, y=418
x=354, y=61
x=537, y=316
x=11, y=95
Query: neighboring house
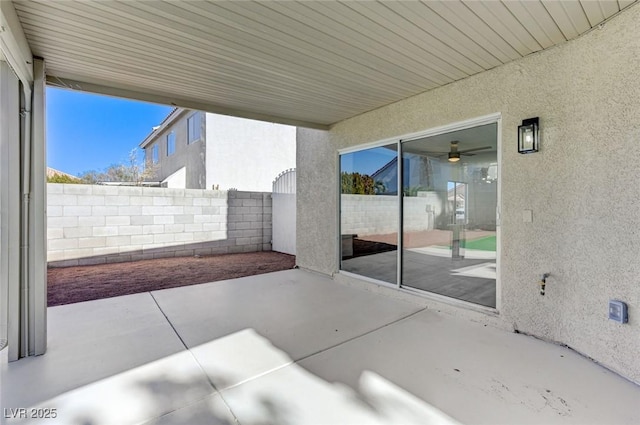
x=416, y=170
x=387, y=177
x=198, y=150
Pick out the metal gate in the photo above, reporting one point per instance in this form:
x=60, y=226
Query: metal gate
x=284, y=212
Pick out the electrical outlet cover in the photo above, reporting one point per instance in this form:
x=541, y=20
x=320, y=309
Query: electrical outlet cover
x=618, y=311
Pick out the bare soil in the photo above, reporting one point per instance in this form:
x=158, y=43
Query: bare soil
x=83, y=283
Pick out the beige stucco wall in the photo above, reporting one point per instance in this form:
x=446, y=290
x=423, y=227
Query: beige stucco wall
x=583, y=187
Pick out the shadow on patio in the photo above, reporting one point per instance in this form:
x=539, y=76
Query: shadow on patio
x=175, y=390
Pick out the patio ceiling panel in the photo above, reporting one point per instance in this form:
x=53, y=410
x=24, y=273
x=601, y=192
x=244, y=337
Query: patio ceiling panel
x=594, y=12
x=625, y=3
x=392, y=31
x=231, y=89
x=424, y=18
x=143, y=51
x=569, y=16
x=610, y=8
x=257, y=37
x=538, y=22
x=467, y=22
x=347, y=24
x=258, y=33
x=500, y=19
x=306, y=36
x=303, y=63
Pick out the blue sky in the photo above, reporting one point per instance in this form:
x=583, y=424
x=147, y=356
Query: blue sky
x=91, y=132
x=367, y=161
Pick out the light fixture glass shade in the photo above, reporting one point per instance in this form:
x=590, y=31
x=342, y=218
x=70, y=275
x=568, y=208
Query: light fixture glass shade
x=528, y=136
x=454, y=156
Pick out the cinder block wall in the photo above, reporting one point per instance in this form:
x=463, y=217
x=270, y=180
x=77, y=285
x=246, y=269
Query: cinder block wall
x=377, y=215
x=90, y=224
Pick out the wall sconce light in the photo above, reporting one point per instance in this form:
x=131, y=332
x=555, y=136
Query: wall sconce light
x=528, y=136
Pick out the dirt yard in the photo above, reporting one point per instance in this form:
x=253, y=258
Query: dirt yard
x=75, y=284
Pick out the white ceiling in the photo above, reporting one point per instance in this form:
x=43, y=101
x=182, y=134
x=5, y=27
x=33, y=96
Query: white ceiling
x=310, y=63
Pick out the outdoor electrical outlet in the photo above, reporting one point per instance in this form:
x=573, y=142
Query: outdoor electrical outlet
x=527, y=216
x=618, y=311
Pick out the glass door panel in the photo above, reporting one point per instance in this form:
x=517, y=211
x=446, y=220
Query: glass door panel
x=369, y=213
x=449, y=214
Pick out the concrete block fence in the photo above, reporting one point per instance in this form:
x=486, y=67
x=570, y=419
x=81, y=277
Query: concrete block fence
x=377, y=215
x=91, y=224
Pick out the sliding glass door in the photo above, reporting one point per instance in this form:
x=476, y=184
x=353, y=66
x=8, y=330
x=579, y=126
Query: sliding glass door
x=449, y=214
x=448, y=197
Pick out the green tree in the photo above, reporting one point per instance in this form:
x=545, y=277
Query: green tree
x=359, y=184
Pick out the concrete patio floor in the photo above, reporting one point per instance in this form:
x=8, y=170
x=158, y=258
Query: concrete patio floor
x=294, y=347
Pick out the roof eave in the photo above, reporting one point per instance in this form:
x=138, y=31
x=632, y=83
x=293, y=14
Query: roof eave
x=169, y=120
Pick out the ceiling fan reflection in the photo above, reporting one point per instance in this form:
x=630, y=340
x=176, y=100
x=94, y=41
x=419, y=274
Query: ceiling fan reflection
x=454, y=154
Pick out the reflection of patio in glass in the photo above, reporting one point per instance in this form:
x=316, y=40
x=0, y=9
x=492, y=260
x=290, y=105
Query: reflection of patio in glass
x=470, y=278
x=428, y=264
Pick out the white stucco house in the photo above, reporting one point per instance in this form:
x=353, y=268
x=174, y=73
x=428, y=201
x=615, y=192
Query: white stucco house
x=201, y=150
